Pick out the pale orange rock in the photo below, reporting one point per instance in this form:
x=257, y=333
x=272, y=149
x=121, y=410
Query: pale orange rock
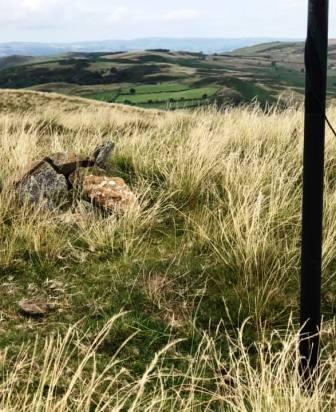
x=109, y=193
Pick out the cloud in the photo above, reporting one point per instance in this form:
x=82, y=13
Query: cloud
x=181, y=15
x=119, y=14
x=69, y=20
x=89, y=14
x=26, y=13
x=32, y=5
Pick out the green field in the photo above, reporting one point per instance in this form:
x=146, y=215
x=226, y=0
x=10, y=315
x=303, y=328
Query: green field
x=155, y=88
x=166, y=96
x=162, y=96
x=127, y=91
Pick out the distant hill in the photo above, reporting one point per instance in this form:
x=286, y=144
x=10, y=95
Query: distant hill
x=161, y=79
x=290, y=48
x=17, y=60
x=211, y=45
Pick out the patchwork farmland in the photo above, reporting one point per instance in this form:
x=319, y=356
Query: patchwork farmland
x=270, y=73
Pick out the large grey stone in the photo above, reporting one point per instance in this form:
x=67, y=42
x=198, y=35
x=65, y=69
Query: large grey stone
x=49, y=182
x=43, y=185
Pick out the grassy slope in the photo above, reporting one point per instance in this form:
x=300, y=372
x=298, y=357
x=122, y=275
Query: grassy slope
x=215, y=239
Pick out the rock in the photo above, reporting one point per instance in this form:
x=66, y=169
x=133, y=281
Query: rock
x=102, y=153
x=35, y=308
x=108, y=193
x=49, y=181
x=43, y=185
x=67, y=163
x=77, y=178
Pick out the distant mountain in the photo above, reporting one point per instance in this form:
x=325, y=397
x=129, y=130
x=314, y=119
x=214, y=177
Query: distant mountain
x=15, y=60
x=205, y=45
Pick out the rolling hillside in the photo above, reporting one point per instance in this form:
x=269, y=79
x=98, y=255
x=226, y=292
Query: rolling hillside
x=166, y=79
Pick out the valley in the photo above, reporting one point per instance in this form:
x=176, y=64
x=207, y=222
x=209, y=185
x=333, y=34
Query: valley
x=268, y=74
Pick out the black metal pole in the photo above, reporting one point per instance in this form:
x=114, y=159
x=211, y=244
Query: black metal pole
x=314, y=141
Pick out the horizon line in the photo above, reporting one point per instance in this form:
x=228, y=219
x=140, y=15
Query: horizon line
x=157, y=37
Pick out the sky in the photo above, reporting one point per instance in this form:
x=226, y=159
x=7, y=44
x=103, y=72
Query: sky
x=82, y=20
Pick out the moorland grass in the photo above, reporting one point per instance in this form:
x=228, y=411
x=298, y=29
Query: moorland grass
x=206, y=266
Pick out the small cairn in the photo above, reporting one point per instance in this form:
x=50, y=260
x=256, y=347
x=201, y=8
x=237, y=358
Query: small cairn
x=53, y=181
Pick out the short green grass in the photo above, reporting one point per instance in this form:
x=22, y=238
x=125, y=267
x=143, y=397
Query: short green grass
x=125, y=91
x=162, y=96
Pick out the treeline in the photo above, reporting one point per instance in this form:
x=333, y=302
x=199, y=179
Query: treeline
x=76, y=72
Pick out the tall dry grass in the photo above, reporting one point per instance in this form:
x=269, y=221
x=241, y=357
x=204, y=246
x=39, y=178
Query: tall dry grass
x=223, y=185
x=232, y=178
x=67, y=378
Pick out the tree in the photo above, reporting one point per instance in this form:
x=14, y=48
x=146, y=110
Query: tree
x=132, y=91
